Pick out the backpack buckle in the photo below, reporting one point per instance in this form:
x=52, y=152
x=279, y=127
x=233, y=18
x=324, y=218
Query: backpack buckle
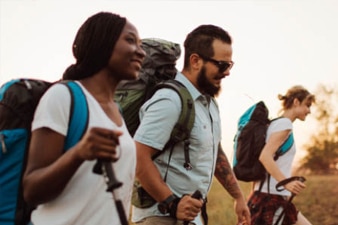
x=187, y=166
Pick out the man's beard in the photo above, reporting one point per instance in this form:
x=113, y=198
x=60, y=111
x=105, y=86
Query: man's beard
x=205, y=85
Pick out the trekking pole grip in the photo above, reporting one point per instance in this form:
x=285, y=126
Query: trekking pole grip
x=279, y=185
x=197, y=195
x=104, y=167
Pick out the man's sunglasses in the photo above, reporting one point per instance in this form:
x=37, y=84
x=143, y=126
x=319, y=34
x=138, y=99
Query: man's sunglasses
x=222, y=65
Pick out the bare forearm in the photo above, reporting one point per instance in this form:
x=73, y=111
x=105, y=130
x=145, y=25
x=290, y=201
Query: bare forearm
x=271, y=166
x=268, y=152
x=44, y=184
x=148, y=175
x=151, y=181
x=225, y=176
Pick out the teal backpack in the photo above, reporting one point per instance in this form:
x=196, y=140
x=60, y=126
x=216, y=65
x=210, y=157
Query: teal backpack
x=18, y=100
x=249, y=142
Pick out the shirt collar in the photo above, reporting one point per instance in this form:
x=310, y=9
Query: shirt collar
x=195, y=94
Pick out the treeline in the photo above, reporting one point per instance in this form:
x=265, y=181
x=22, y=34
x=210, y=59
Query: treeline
x=322, y=146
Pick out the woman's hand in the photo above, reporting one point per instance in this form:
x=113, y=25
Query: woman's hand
x=295, y=187
x=99, y=143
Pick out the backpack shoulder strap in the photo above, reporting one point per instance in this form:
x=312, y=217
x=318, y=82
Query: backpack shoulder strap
x=186, y=119
x=287, y=144
x=78, y=114
x=182, y=128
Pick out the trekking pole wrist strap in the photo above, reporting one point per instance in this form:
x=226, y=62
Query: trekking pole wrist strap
x=279, y=186
x=173, y=208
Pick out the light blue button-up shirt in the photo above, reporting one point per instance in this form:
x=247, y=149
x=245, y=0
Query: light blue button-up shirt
x=158, y=117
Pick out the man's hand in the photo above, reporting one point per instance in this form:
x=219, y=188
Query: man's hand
x=243, y=212
x=188, y=208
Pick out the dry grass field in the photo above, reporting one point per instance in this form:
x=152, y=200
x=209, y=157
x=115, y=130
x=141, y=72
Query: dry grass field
x=319, y=202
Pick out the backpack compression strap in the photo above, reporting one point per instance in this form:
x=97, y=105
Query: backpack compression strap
x=182, y=129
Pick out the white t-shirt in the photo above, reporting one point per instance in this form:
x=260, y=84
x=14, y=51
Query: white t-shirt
x=84, y=201
x=284, y=162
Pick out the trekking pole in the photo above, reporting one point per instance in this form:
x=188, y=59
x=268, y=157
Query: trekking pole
x=105, y=168
x=283, y=182
x=283, y=212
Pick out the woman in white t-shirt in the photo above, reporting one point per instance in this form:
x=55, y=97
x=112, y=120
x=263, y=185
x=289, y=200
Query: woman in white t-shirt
x=62, y=185
x=267, y=203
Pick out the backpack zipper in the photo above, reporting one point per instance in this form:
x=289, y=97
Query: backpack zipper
x=28, y=85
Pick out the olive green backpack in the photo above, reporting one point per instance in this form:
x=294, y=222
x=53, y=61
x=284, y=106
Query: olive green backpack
x=158, y=71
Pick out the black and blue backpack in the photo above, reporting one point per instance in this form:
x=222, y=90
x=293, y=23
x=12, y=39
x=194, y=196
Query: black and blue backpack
x=249, y=142
x=18, y=100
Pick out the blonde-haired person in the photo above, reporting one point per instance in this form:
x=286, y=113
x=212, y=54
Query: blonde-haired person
x=268, y=204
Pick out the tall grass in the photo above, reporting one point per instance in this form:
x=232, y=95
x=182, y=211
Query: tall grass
x=318, y=202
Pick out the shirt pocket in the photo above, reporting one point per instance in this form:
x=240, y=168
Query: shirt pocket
x=201, y=138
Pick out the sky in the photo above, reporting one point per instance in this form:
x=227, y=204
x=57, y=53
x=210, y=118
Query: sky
x=276, y=44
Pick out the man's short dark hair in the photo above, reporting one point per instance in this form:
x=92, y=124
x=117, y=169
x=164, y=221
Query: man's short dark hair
x=200, y=41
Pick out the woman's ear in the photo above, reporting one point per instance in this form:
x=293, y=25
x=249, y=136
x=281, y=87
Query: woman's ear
x=296, y=102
